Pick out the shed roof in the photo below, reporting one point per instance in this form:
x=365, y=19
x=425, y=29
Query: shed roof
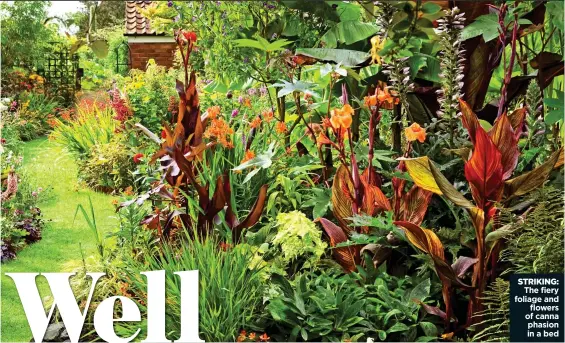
x=136, y=23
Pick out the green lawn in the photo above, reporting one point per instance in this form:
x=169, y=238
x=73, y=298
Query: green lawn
x=58, y=251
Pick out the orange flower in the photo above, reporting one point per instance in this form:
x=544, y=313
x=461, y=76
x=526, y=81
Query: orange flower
x=268, y=116
x=264, y=337
x=225, y=246
x=382, y=98
x=128, y=191
x=341, y=118
x=252, y=336
x=249, y=155
x=219, y=130
x=322, y=139
x=247, y=102
x=255, y=123
x=115, y=202
x=280, y=127
x=213, y=112
x=52, y=122
x=415, y=132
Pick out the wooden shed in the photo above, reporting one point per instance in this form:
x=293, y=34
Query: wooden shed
x=144, y=43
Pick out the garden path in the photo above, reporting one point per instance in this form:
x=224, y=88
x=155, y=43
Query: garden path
x=59, y=250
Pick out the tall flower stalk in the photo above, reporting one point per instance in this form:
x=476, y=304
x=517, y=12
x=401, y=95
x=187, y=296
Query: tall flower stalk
x=451, y=61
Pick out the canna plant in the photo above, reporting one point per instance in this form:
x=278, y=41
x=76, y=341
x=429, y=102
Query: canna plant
x=488, y=170
x=355, y=193
x=181, y=152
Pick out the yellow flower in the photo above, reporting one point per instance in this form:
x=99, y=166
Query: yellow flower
x=415, y=132
x=377, y=46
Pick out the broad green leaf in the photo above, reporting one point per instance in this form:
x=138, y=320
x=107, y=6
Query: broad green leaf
x=429, y=329
x=397, y=327
x=250, y=43
x=421, y=291
x=348, y=58
x=486, y=25
x=100, y=48
x=555, y=115
x=430, y=8
x=348, y=32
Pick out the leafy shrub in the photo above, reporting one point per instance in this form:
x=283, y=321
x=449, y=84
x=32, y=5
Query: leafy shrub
x=30, y=115
x=108, y=167
x=332, y=306
x=90, y=127
x=230, y=294
x=149, y=94
x=21, y=219
x=132, y=238
x=295, y=244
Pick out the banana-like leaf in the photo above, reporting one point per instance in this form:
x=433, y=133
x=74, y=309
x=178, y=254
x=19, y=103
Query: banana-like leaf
x=529, y=181
x=347, y=58
x=100, y=48
x=427, y=176
x=517, y=120
x=484, y=170
x=342, y=201
x=428, y=242
x=415, y=205
x=462, y=264
x=469, y=120
x=502, y=135
x=347, y=257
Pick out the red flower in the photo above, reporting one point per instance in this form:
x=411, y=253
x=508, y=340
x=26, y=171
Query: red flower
x=137, y=158
x=189, y=36
x=163, y=134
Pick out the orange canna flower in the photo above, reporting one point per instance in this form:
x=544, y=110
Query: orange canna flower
x=255, y=123
x=213, y=112
x=322, y=139
x=280, y=127
x=382, y=98
x=249, y=155
x=341, y=118
x=371, y=100
x=415, y=132
x=219, y=130
x=268, y=116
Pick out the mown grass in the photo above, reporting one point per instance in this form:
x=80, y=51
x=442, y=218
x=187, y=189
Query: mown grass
x=59, y=250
